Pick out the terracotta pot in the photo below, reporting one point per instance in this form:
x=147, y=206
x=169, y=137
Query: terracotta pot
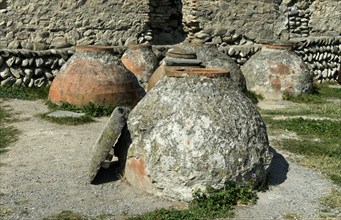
x=94, y=75
x=159, y=72
x=276, y=70
x=141, y=61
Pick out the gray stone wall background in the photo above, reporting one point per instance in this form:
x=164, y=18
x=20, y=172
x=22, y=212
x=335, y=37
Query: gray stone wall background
x=40, y=25
x=34, y=29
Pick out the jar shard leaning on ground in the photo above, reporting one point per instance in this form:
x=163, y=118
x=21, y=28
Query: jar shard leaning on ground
x=192, y=131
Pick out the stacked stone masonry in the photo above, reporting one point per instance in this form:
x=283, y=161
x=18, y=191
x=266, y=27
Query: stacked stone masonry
x=30, y=68
x=236, y=27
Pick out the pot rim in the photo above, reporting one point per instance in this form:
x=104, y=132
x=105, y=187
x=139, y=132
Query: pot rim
x=139, y=46
x=181, y=72
x=94, y=48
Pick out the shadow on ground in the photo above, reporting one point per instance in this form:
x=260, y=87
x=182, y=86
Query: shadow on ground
x=279, y=169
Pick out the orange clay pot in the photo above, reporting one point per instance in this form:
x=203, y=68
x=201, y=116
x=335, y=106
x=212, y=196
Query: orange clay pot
x=94, y=75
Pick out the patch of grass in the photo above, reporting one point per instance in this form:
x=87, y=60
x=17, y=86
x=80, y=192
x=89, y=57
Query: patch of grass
x=333, y=200
x=66, y=215
x=331, y=203
x=208, y=204
x=321, y=155
x=327, y=128
x=90, y=109
x=292, y=216
x=319, y=141
x=24, y=93
x=320, y=94
x=105, y=216
x=330, y=110
x=67, y=120
x=8, y=134
x=23, y=202
x=5, y=211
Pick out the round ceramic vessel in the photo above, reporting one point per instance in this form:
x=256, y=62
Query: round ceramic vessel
x=94, y=75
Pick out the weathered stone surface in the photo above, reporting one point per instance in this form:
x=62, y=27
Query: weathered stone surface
x=271, y=72
x=4, y=72
x=59, y=42
x=64, y=114
x=108, y=138
x=192, y=132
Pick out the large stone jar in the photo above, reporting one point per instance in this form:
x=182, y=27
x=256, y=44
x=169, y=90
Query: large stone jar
x=192, y=130
x=94, y=75
x=276, y=70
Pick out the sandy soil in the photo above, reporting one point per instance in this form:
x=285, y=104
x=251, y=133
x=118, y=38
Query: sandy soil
x=46, y=172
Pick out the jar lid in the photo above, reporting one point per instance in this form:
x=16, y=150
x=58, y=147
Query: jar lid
x=177, y=52
x=182, y=72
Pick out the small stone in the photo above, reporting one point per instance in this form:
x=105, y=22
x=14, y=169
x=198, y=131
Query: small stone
x=16, y=72
x=40, y=82
x=49, y=75
x=65, y=114
x=293, y=12
x=28, y=72
x=18, y=82
x=38, y=72
x=10, y=61
x=31, y=84
x=17, y=61
x=8, y=81
x=4, y=72
x=39, y=62
x=26, y=80
x=59, y=42
x=25, y=62
x=61, y=62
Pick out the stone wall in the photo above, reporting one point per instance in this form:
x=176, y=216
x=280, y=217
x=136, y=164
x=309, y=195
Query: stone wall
x=166, y=21
x=31, y=68
x=40, y=25
x=236, y=26
x=248, y=21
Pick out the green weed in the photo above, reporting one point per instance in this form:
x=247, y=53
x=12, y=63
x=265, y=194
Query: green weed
x=319, y=141
x=320, y=94
x=210, y=203
x=8, y=134
x=67, y=120
x=66, y=215
x=24, y=93
x=90, y=109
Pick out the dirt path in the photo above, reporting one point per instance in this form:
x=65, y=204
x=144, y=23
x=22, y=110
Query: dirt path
x=46, y=172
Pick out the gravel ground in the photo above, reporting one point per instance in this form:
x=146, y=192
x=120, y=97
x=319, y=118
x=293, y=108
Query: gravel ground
x=46, y=172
